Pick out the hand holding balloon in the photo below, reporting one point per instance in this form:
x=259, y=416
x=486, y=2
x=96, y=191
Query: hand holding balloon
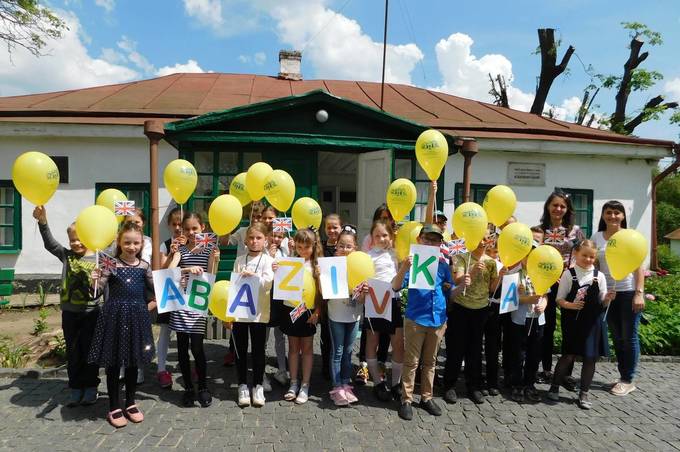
x=40, y=214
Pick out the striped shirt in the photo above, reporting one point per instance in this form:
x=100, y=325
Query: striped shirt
x=189, y=321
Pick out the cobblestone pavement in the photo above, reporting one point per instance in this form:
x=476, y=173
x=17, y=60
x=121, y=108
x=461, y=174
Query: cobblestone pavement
x=33, y=417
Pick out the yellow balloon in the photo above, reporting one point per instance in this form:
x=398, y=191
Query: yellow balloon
x=180, y=180
x=514, y=243
x=432, y=150
x=238, y=188
x=306, y=213
x=470, y=223
x=224, y=214
x=309, y=290
x=107, y=199
x=403, y=239
x=36, y=176
x=401, y=197
x=218, y=300
x=279, y=189
x=96, y=227
x=500, y=203
x=544, y=267
x=359, y=268
x=625, y=252
x=255, y=177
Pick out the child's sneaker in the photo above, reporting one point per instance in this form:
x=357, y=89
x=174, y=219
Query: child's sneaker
x=361, y=377
x=188, y=398
x=243, y=396
x=517, y=395
x=531, y=393
x=622, y=389
x=258, y=396
x=382, y=392
x=303, y=395
x=90, y=396
x=204, y=398
x=75, y=397
x=164, y=379
x=281, y=377
x=339, y=397
x=554, y=393
x=349, y=394
x=292, y=392
x=583, y=401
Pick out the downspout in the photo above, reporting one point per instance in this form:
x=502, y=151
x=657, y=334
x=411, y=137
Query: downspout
x=155, y=133
x=654, y=258
x=469, y=149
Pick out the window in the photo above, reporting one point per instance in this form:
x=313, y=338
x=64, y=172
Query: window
x=10, y=218
x=477, y=193
x=582, y=200
x=408, y=168
x=62, y=166
x=139, y=193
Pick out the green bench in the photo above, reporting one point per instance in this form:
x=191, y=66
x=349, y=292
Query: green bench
x=6, y=285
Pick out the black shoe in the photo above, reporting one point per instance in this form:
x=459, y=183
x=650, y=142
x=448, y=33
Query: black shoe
x=493, y=392
x=450, y=396
x=396, y=392
x=431, y=407
x=189, y=397
x=544, y=377
x=531, y=393
x=382, y=392
x=204, y=398
x=477, y=397
x=485, y=392
x=405, y=411
x=569, y=383
x=517, y=395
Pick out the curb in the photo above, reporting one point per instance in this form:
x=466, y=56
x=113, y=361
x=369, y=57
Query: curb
x=33, y=372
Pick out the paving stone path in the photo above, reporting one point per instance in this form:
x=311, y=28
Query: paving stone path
x=33, y=417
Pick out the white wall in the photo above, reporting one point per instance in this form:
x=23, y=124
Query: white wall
x=91, y=160
x=625, y=179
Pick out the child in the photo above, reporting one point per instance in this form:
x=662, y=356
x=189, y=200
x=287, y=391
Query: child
x=343, y=319
x=123, y=335
x=582, y=297
x=175, y=226
x=256, y=262
x=526, y=333
x=385, y=262
x=301, y=333
x=493, y=328
x=190, y=326
x=424, y=327
x=466, y=319
x=276, y=250
x=332, y=227
x=79, y=310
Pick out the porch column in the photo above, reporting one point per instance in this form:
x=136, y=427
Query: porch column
x=469, y=149
x=154, y=131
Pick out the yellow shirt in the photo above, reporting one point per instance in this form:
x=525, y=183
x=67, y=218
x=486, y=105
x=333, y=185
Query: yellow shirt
x=477, y=295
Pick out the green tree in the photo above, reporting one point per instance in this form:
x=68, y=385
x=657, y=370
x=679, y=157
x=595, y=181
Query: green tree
x=27, y=24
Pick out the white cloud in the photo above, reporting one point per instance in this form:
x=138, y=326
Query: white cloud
x=258, y=58
x=224, y=17
x=130, y=48
x=190, y=66
x=108, y=5
x=672, y=88
x=67, y=62
x=568, y=110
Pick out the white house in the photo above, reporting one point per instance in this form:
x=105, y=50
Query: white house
x=344, y=157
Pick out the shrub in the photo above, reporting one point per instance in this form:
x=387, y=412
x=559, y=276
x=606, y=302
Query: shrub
x=12, y=355
x=667, y=260
x=40, y=324
x=661, y=335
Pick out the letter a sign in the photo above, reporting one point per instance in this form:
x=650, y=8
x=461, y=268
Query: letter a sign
x=424, y=269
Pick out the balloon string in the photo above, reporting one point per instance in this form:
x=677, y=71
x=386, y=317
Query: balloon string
x=467, y=271
x=370, y=324
x=604, y=319
x=531, y=324
x=181, y=211
x=96, y=283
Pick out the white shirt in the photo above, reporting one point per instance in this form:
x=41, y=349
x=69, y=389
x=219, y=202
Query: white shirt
x=584, y=276
x=385, y=263
x=526, y=310
x=625, y=285
x=344, y=310
x=261, y=265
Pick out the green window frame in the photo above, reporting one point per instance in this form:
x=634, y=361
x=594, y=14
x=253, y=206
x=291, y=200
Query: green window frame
x=138, y=192
x=477, y=193
x=10, y=218
x=582, y=201
x=407, y=167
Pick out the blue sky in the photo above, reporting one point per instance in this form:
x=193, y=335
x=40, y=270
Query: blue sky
x=444, y=45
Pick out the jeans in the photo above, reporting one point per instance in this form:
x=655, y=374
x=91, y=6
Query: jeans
x=342, y=338
x=78, y=331
x=624, y=323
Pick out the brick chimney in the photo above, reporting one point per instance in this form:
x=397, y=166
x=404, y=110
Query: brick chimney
x=289, y=64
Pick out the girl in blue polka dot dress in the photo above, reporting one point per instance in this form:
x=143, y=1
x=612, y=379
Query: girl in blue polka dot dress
x=123, y=335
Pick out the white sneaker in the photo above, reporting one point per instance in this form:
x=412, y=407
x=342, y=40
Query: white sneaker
x=292, y=392
x=266, y=384
x=281, y=377
x=258, y=396
x=243, y=396
x=622, y=389
x=303, y=395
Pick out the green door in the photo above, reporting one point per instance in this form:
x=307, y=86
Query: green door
x=302, y=167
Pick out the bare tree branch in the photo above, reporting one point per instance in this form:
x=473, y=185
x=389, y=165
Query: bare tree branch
x=549, y=69
x=499, y=94
x=653, y=107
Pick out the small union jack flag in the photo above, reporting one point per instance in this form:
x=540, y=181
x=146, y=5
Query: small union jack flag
x=555, y=236
x=124, y=208
x=457, y=247
x=107, y=263
x=444, y=252
x=282, y=224
x=297, y=312
x=205, y=240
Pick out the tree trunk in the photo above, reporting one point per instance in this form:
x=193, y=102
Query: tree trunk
x=643, y=115
x=499, y=94
x=634, y=60
x=549, y=70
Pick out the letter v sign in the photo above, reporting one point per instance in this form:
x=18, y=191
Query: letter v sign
x=379, y=306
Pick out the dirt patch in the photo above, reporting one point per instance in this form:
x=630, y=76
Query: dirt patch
x=31, y=337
